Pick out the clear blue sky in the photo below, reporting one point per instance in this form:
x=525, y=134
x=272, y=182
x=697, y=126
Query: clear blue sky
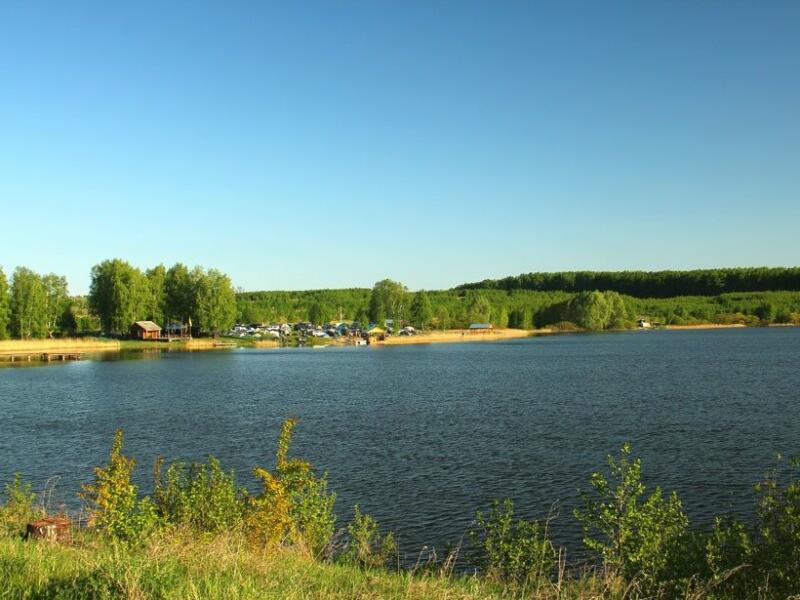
x=337, y=143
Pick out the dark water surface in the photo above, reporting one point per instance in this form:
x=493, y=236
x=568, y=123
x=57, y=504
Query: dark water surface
x=422, y=436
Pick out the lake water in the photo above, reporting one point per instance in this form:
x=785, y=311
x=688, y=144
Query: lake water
x=422, y=436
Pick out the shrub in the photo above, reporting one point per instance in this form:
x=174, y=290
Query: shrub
x=312, y=510
x=778, y=528
x=294, y=505
x=635, y=536
x=19, y=506
x=114, y=506
x=511, y=551
x=729, y=553
x=202, y=496
x=366, y=546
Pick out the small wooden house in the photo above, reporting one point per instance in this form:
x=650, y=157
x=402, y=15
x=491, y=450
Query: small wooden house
x=145, y=330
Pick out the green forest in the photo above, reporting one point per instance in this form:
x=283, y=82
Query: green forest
x=523, y=309
x=652, y=284
x=34, y=305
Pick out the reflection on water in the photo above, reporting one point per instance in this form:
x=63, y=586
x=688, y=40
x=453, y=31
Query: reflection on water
x=421, y=436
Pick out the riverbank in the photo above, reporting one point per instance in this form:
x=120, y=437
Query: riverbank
x=705, y=326
x=462, y=335
x=12, y=347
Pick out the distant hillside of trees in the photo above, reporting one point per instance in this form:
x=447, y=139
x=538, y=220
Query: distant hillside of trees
x=35, y=305
x=652, y=284
x=524, y=309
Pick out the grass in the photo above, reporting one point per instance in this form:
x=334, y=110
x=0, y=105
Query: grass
x=52, y=345
x=177, y=565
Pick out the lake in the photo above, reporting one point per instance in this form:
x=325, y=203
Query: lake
x=422, y=436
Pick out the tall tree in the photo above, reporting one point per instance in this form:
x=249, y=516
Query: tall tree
x=179, y=294
x=518, y=319
x=480, y=309
x=5, y=306
x=315, y=313
x=388, y=301
x=57, y=301
x=28, y=304
x=215, y=302
x=421, y=310
x=157, y=294
x=590, y=310
x=118, y=295
x=620, y=316
x=500, y=317
x=443, y=317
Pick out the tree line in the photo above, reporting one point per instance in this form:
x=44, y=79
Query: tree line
x=39, y=306
x=652, y=284
x=121, y=294
x=523, y=309
x=34, y=305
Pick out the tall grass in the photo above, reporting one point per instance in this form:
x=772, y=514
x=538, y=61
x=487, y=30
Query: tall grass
x=81, y=344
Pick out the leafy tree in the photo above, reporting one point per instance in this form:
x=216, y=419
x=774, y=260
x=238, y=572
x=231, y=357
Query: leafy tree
x=28, y=305
x=179, y=294
x=480, y=309
x=590, y=310
x=57, y=301
x=215, y=302
x=421, y=310
x=5, y=306
x=362, y=316
x=388, y=301
x=315, y=314
x=766, y=311
x=619, y=314
x=443, y=317
x=518, y=319
x=157, y=294
x=118, y=295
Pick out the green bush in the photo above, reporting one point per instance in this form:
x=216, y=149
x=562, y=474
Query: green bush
x=294, y=505
x=635, y=536
x=777, y=558
x=312, y=511
x=202, y=496
x=511, y=551
x=366, y=546
x=114, y=506
x=18, y=507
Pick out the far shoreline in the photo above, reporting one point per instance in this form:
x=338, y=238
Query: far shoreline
x=35, y=349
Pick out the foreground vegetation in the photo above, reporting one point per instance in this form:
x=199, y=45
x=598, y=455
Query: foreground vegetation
x=199, y=535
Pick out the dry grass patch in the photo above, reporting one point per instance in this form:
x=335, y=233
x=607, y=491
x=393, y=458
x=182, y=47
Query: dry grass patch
x=461, y=335
x=58, y=344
